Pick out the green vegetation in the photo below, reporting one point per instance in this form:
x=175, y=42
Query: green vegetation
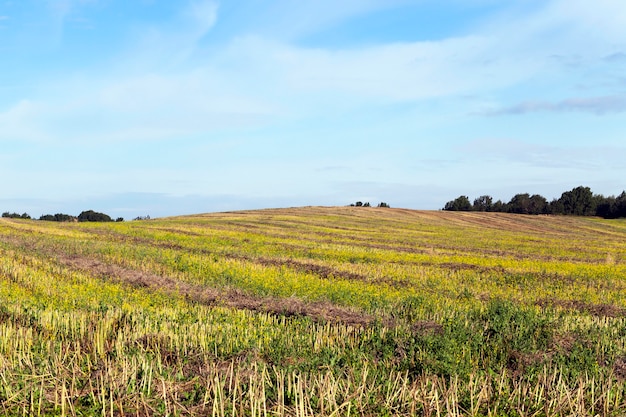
x=93, y=216
x=367, y=204
x=580, y=201
x=85, y=216
x=314, y=311
x=59, y=217
x=6, y=214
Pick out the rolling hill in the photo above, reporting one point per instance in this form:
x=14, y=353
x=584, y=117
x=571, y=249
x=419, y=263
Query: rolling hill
x=314, y=311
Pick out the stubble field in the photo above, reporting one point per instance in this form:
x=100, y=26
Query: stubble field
x=314, y=312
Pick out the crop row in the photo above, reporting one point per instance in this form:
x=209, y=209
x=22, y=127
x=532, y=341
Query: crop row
x=108, y=319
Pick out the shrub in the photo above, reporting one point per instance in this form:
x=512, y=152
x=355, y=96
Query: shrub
x=93, y=216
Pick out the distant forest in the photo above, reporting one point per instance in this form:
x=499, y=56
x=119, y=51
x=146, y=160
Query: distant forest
x=85, y=216
x=580, y=201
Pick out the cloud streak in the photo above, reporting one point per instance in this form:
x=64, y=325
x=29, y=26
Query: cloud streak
x=595, y=105
x=581, y=158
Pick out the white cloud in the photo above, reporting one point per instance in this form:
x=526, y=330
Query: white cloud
x=137, y=108
x=392, y=72
x=254, y=80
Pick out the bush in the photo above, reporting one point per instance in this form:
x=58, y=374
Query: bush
x=93, y=216
x=59, y=217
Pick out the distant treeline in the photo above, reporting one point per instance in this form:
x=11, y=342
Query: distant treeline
x=15, y=215
x=85, y=216
x=367, y=204
x=580, y=201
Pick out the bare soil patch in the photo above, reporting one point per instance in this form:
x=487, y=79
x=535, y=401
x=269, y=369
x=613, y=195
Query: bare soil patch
x=598, y=310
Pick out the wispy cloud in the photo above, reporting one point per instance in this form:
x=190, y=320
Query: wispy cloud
x=167, y=44
x=138, y=108
x=291, y=21
x=596, y=105
x=616, y=57
x=509, y=151
x=402, y=71
x=202, y=14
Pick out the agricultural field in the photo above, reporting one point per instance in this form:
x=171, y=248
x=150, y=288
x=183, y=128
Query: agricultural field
x=314, y=311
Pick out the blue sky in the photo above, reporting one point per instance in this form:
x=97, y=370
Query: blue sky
x=154, y=107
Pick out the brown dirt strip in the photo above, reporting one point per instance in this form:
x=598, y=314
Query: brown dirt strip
x=317, y=311
x=598, y=310
x=321, y=271
x=373, y=243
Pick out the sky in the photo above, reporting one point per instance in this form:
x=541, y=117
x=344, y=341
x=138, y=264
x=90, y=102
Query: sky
x=162, y=108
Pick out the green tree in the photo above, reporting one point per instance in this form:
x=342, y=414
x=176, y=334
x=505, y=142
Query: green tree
x=93, y=216
x=16, y=215
x=520, y=204
x=556, y=207
x=538, y=204
x=461, y=203
x=499, y=207
x=579, y=202
x=483, y=203
x=620, y=205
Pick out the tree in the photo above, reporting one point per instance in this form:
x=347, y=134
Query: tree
x=499, y=207
x=579, y=202
x=384, y=205
x=483, y=203
x=461, y=203
x=620, y=205
x=607, y=208
x=61, y=217
x=92, y=216
x=538, y=204
x=520, y=204
x=556, y=207
x=16, y=215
